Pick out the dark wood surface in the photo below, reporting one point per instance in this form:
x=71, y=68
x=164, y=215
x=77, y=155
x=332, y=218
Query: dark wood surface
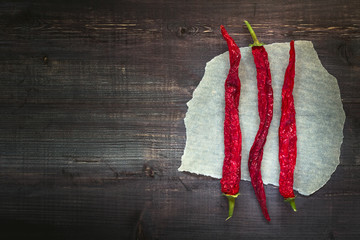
x=93, y=96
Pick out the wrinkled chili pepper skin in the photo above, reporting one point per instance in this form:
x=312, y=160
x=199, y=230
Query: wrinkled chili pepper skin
x=265, y=108
x=287, y=132
x=232, y=134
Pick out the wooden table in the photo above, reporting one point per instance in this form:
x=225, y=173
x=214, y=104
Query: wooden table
x=93, y=97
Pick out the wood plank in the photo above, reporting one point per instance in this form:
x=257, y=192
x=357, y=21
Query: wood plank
x=93, y=96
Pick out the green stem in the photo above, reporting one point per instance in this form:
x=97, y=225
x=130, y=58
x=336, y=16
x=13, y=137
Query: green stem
x=231, y=199
x=292, y=203
x=253, y=35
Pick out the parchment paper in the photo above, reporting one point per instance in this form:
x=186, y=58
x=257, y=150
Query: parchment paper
x=319, y=117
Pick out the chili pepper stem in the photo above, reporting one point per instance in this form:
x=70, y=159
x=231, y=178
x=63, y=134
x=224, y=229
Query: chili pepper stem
x=292, y=203
x=253, y=35
x=231, y=199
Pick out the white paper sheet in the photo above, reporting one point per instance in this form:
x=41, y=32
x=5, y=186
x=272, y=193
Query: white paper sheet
x=319, y=117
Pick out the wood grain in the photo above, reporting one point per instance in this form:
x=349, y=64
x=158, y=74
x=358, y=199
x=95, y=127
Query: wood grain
x=93, y=96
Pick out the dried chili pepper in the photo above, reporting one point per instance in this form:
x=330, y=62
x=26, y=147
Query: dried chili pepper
x=232, y=134
x=265, y=108
x=287, y=133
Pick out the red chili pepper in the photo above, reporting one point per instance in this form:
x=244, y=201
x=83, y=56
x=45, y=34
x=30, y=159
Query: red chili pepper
x=265, y=108
x=232, y=133
x=287, y=133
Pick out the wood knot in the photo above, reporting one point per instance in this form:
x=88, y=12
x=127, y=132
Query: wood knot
x=349, y=53
x=345, y=53
x=148, y=171
x=45, y=60
x=184, y=31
